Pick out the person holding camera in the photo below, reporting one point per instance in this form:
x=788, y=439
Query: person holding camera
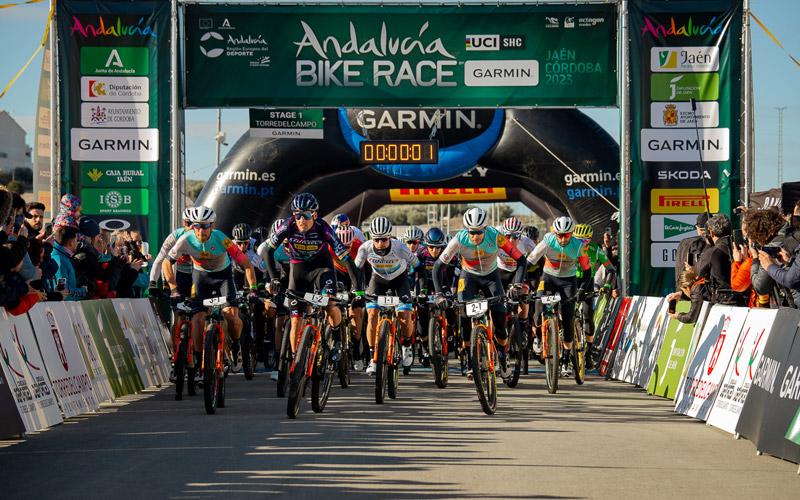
x=690, y=249
x=64, y=247
x=783, y=267
x=715, y=262
x=694, y=287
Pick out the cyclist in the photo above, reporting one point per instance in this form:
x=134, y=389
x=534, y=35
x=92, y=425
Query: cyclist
x=212, y=273
x=478, y=246
x=597, y=259
x=183, y=265
x=563, y=253
x=412, y=238
x=276, y=315
x=512, y=230
x=310, y=265
x=347, y=236
x=391, y=263
x=242, y=238
x=343, y=220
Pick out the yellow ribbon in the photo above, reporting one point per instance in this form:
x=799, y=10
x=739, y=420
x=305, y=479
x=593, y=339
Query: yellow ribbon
x=38, y=49
x=9, y=5
x=774, y=39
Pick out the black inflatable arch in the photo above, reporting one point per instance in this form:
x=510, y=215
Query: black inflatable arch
x=258, y=178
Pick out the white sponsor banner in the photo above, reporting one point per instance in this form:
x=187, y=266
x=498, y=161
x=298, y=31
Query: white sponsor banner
x=660, y=144
x=115, y=114
x=501, y=73
x=137, y=341
x=624, y=344
x=684, y=59
x=644, y=321
x=26, y=373
x=680, y=114
x=114, y=144
x=672, y=228
x=115, y=88
x=706, y=369
x=158, y=348
x=651, y=346
x=91, y=357
x=744, y=361
x=144, y=335
x=288, y=133
x=663, y=254
x=62, y=357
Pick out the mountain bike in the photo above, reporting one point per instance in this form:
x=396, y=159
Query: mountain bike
x=388, y=353
x=284, y=359
x=437, y=342
x=552, y=338
x=215, y=357
x=247, y=342
x=484, y=352
x=578, y=352
x=517, y=339
x=182, y=351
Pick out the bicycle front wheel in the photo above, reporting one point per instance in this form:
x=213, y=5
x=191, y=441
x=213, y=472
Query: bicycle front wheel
x=515, y=352
x=382, y=365
x=393, y=379
x=482, y=371
x=343, y=366
x=297, y=373
x=322, y=376
x=182, y=348
x=578, y=354
x=437, y=338
x=550, y=343
x=210, y=375
x=284, y=360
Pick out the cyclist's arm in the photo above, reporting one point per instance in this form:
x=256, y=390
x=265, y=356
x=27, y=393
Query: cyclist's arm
x=537, y=252
x=155, y=270
x=451, y=250
x=267, y=252
x=586, y=268
x=356, y=277
x=180, y=247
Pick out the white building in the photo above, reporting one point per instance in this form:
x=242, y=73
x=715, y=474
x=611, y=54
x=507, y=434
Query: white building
x=14, y=153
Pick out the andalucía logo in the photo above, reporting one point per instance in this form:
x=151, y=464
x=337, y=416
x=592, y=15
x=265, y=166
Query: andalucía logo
x=116, y=29
x=687, y=29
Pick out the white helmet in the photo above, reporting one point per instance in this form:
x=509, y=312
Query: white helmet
x=413, y=233
x=512, y=225
x=380, y=228
x=187, y=214
x=563, y=225
x=202, y=215
x=475, y=219
x=345, y=234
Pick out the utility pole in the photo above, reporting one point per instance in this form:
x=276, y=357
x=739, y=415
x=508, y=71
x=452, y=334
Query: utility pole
x=220, y=137
x=780, y=144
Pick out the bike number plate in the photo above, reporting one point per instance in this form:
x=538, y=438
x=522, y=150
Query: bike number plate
x=388, y=301
x=477, y=308
x=215, y=302
x=185, y=307
x=550, y=300
x=316, y=299
x=343, y=296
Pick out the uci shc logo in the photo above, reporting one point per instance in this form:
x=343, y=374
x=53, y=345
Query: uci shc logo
x=213, y=52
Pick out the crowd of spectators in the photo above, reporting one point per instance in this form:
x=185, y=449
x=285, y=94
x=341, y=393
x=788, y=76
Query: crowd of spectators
x=757, y=266
x=70, y=258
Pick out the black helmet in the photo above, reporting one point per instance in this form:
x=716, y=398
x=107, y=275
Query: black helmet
x=305, y=202
x=242, y=232
x=531, y=232
x=435, y=238
x=260, y=234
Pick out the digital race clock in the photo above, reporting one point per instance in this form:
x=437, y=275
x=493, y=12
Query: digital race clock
x=398, y=152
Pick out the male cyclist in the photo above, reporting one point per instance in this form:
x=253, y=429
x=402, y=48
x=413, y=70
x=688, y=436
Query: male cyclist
x=412, y=238
x=242, y=238
x=183, y=265
x=391, y=262
x=563, y=254
x=211, y=253
x=342, y=220
x=597, y=259
x=478, y=246
x=347, y=236
x=276, y=315
x=507, y=265
x=311, y=266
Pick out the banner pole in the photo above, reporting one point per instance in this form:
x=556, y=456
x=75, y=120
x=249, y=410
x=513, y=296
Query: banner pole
x=176, y=198
x=625, y=166
x=748, y=145
x=55, y=108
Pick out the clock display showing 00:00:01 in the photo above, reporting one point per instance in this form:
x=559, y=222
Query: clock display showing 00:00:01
x=398, y=152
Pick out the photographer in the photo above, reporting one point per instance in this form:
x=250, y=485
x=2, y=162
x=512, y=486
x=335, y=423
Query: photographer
x=715, y=262
x=66, y=242
x=696, y=289
x=791, y=230
x=763, y=226
x=690, y=249
x=783, y=267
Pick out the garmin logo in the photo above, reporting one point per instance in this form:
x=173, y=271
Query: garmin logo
x=417, y=119
x=91, y=144
x=684, y=145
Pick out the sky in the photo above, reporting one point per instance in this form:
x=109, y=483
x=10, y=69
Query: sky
x=776, y=82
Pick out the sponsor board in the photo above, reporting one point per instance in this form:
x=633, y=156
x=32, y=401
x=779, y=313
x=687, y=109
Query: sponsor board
x=65, y=365
x=632, y=353
x=793, y=432
x=679, y=176
x=287, y=123
x=672, y=228
x=684, y=86
x=92, y=144
x=689, y=59
x=115, y=88
x=156, y=335
x=118, y=175
x=447, y=194
x=118, y=61
x=89, y=351
x=677, y=145
x=11, y=424
x=115, y=201
x=107, y=114
x=652, y=343
x=494, y=42
x=680, y=114
x=137, y=338
x=501, y=73
x=684, y=201
x=663, y=254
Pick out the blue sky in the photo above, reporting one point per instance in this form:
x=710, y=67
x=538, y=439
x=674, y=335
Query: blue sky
x=776, y=83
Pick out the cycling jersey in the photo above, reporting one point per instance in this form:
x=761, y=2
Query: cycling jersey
x=303, y=247
x=479, y=259
x=352, y=253
x=182, y=265
x=507, y=263
x=258, y=263
x=447, y=276
x=597, y=258
x=561, y=262
x=209, y=256
x=397, y=260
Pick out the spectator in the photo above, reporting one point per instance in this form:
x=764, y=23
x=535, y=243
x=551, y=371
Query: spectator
x=66, y=243
x=791, y=230
x=70, y=205
x=741, y=265
x=16, y=296
x=690, y=249
x=715, y=262
x=786, y=275
x=763, y=226
x=610, y=247
x=34, y=219
x=696, y=289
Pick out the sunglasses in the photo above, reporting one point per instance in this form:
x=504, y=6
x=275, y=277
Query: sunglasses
x=513, y=236
x=197, y=225
x=563, y=235
x=303, y=215
x=412, y=242
x=380, y=240
x=475, y=233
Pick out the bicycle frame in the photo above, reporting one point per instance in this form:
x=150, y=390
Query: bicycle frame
x=312, y=319
x=184, y=318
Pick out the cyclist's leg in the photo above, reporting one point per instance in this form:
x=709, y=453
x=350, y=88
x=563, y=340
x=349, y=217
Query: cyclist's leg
x=298, y=285
x=324, y=280
x=373, y=312
x=400, y=285
x=227, y=288
x=493, y=287
x=201, y=290
x=568, y=288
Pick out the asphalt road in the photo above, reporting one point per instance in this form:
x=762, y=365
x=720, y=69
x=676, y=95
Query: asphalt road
x=601, y=440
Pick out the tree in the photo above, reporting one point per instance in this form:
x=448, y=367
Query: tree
x=193, y=188
x=16, y=187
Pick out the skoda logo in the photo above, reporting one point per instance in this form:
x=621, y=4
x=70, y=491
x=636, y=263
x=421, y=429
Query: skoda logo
x=214, y=52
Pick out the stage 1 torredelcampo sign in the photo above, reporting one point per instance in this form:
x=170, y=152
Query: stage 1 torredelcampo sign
x=286, y=123
x=400, y=55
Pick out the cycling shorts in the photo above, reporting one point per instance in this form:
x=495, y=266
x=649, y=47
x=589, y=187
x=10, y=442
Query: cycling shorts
x=310, y=277
x=208, y=284
x=470, y=285
x=184, y=282
x=399, y=285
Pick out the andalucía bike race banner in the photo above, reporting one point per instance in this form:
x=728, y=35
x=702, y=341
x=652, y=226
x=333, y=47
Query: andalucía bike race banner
x=400, y=56
x=681, y=51
x=113, y=59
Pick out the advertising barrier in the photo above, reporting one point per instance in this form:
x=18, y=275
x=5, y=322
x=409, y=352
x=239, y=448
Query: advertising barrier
x=11, y=424
x=62, y=357
x=625, y=340
x=90, y=352
x=636, y=341
x=651, y=345
x=705, y=371
x=132, y=330
x=613, y=338
x=605, y=320
x=739, y=376
x=152, y=329
x=793, y=432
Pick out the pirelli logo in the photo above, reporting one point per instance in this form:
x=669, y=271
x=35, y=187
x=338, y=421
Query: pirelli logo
x=684, y=201
x=448, y=194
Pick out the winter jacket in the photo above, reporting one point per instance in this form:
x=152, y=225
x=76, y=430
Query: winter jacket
x=62, y=256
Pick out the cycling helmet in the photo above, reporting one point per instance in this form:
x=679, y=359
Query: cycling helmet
x=380, y=227
x=563, y=225
x=187, y=214
x=203, y=215
x=242, y=232
x=435, y=238
x=260, y=234
x=413, y=233
x=305, y=202
x=531, y=232
x=512, y=225
x=340, y=220
x=274, y=229
x=584, y=231
x=475, y=219
x=345, y=235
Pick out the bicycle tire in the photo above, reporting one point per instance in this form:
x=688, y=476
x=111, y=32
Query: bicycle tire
x=551, y=360
x=482, y=375
x=297, y=377
x=381, y=366
x=578, y=354
x=210, y=375
x=343, y=365
x=322, y=375
x=436, y=351
x=393, y=380
x=284, y=360
x=180, y=360
x=515, y=352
